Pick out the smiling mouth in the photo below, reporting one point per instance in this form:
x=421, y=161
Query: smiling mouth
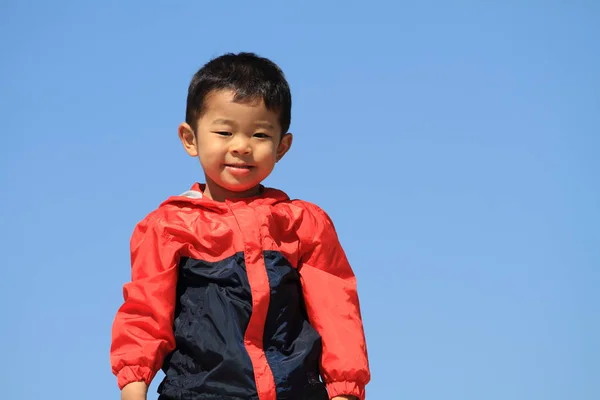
x=239, y=166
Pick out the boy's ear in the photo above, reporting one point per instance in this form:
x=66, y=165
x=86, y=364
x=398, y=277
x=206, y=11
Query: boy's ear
x=188, y=139
x=284, y=145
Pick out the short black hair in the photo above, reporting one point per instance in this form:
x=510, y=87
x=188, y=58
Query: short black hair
x=249, y=76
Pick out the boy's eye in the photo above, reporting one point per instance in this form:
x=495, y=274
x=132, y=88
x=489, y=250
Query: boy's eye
x=223, y=133
x=261, y=135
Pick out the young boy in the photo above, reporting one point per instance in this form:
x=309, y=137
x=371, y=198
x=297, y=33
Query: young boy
x=238, y=292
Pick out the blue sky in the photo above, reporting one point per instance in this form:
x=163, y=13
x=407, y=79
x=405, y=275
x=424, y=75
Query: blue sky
x=455, y=145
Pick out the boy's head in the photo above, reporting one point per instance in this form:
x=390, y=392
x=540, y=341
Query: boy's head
x=237, y=116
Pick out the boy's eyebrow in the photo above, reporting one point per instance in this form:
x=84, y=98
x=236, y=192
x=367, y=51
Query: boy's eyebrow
x=259, y=124
x=265, y=125
x=223, y=121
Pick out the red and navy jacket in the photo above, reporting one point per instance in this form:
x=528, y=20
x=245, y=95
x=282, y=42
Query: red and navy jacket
x=246, y=299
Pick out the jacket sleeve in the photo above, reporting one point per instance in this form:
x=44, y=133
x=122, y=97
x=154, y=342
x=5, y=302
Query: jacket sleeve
x=330, y=293
x=142, y=332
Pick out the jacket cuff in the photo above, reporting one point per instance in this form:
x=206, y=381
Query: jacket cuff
x=346, y=388
x=134, y=373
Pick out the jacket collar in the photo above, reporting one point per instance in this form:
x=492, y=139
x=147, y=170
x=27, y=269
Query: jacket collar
x=267, y=196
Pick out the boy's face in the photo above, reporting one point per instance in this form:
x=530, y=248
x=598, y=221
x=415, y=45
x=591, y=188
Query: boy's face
x=237, y=144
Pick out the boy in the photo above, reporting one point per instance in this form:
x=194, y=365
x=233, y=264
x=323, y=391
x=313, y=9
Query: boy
x=238, y=292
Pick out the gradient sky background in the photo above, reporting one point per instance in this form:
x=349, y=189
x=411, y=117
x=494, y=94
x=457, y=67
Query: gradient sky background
x=455, y=145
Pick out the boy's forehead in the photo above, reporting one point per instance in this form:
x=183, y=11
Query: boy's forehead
x=225, y=97
x=223, y=107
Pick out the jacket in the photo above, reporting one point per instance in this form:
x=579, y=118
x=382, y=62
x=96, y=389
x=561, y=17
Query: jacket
x=246, y=299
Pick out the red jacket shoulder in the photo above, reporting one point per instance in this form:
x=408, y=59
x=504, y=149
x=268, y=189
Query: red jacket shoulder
x=312, y=208
x=316, y=214
x=165, y=214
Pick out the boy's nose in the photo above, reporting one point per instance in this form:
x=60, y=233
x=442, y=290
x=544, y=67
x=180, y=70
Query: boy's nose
x=240, y=146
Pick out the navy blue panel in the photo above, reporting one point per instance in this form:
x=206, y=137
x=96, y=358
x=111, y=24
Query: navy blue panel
x=292, y=346
x=214, y=304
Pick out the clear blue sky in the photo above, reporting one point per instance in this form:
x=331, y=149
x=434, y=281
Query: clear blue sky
x=456, y=147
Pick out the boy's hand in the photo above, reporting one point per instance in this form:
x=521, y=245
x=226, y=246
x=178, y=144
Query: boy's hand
x=134, y=391
x=345, y=398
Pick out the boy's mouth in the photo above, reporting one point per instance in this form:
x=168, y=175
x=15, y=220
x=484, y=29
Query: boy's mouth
x=239, y=166
x=239, y=170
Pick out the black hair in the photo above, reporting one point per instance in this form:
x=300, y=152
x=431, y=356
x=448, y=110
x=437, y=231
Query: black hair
x=249, y=76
